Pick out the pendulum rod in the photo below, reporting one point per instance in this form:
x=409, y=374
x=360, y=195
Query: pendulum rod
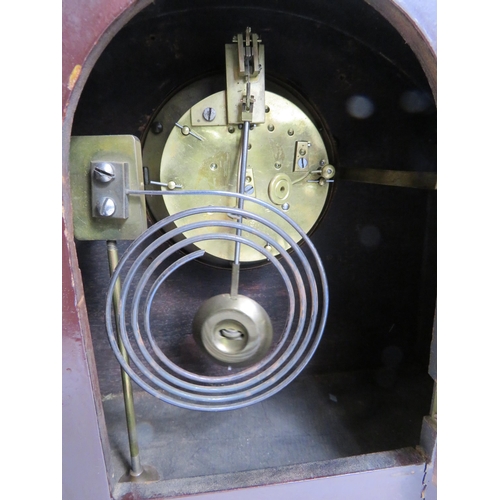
x=128, y=396
x=247, y=110
x=235, y=275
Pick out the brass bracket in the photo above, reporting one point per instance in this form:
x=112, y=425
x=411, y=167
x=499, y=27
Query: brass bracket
x=248, y=49
x=238, y=76
x=216, y=103
x=301, y=158
x=102, y=170
x=249, y=183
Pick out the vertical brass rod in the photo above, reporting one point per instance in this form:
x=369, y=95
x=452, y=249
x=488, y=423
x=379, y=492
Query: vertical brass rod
x=128, y=395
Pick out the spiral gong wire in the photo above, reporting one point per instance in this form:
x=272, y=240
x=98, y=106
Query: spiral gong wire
x=154, y=371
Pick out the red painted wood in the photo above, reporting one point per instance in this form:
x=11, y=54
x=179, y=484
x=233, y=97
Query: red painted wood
x=85, y=446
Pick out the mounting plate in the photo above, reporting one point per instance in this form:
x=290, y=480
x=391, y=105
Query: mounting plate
x=123, y=153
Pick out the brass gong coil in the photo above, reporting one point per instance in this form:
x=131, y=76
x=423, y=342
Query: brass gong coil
x=138, y=277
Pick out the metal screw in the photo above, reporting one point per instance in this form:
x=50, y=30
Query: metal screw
x=267, y=109
x=240, y=126
x=277, y=165
x=291, y=132
x=231, y=130
x=302, y=162
x=322, y=163
x=213, y=166
x=104, y=172
x=249, y=189
x=107, y=207
x=185, y=130
x=209, y=114
x=270, y=128
x=285, y=206
x=302, y=152
x=157, y=128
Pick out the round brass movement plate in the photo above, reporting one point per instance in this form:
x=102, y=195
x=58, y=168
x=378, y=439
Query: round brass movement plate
x=203, y=154
x=233, y=330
